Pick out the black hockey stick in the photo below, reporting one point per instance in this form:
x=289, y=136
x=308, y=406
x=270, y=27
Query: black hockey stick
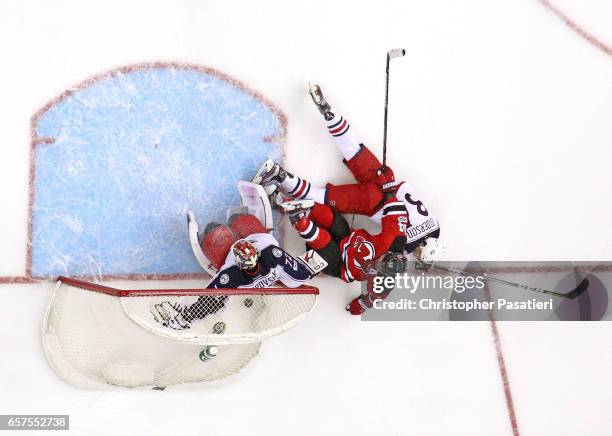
x=393, y=53
x=574, y=293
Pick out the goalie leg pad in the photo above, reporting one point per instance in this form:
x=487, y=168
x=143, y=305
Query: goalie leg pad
x=244, y=225
x=217, y=242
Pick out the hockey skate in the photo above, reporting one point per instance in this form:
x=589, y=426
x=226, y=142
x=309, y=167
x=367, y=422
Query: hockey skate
x=169, y=315
x=270, y=173
x=319, y=100
x=297, y=209
x=277, y=198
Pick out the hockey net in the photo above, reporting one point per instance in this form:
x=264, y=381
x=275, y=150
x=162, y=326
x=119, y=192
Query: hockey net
x=95, y=335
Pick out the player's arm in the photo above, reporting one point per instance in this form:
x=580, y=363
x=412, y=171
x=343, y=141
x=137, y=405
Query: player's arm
x=226, y=278
x=391, y=241
x=292, y=272
x=389, y=265
x=392, y=237
x=179, y=317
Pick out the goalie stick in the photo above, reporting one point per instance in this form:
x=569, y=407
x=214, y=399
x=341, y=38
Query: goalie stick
x=394, y=53
x=573, y=294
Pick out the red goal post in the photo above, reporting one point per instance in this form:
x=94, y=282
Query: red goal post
x=96, y=287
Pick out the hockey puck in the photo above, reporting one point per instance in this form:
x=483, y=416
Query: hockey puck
x=248, y=302
x=219, y=328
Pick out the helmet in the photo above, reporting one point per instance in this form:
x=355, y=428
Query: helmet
x=431, y=251
x=392, y=264
x=246, y=254
x=386, y=179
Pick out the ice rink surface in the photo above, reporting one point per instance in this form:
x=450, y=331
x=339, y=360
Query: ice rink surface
x=499, y=115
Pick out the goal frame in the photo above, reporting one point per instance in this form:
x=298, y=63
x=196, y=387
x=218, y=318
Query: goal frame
x=303, y=289
x=119, y=362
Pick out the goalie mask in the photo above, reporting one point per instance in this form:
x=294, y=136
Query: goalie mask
x=246, y=254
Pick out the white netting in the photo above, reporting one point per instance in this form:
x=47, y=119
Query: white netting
x=93, y=339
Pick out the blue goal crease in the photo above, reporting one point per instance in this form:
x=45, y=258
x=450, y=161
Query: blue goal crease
x=132, y=153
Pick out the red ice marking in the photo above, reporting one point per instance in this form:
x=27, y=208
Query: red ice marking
x=577, y=28
x=13, y=280
x=501, y=363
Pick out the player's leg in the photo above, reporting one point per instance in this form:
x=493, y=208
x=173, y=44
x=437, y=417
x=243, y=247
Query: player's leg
x=337, y=126
x=360, y=198
x=357, y=157
x=272, y=174
x=321, y=215
x=320, y=240
x=321, y=229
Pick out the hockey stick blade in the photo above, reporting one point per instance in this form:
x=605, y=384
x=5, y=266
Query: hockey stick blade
x=396, y=52
x=574, y=293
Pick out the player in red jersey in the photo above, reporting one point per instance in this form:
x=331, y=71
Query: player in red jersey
x=367, y=195
x=350, y=253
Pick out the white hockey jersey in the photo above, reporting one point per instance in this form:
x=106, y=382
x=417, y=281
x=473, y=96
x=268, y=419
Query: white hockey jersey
x=421, y=222
x=275, y=265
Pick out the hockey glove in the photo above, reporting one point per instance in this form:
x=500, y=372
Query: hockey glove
x=386, y=180
x=357, y=306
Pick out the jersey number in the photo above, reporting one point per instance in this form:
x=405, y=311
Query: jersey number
x=418, y=205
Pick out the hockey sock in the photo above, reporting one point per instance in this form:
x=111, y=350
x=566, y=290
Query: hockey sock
x=343, y=136
x=301, y=189
x=314, y=236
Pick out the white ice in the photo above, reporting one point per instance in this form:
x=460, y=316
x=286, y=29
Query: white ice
x=499, y=114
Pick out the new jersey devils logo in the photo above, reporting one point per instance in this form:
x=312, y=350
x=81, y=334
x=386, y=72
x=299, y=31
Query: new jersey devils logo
x=363, y=251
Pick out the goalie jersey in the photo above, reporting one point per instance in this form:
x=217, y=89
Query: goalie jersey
x=274, y=265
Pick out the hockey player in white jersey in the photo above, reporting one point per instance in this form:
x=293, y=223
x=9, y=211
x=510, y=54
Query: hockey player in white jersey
x=367, y=196
x=253, y=262
x=258, y=262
